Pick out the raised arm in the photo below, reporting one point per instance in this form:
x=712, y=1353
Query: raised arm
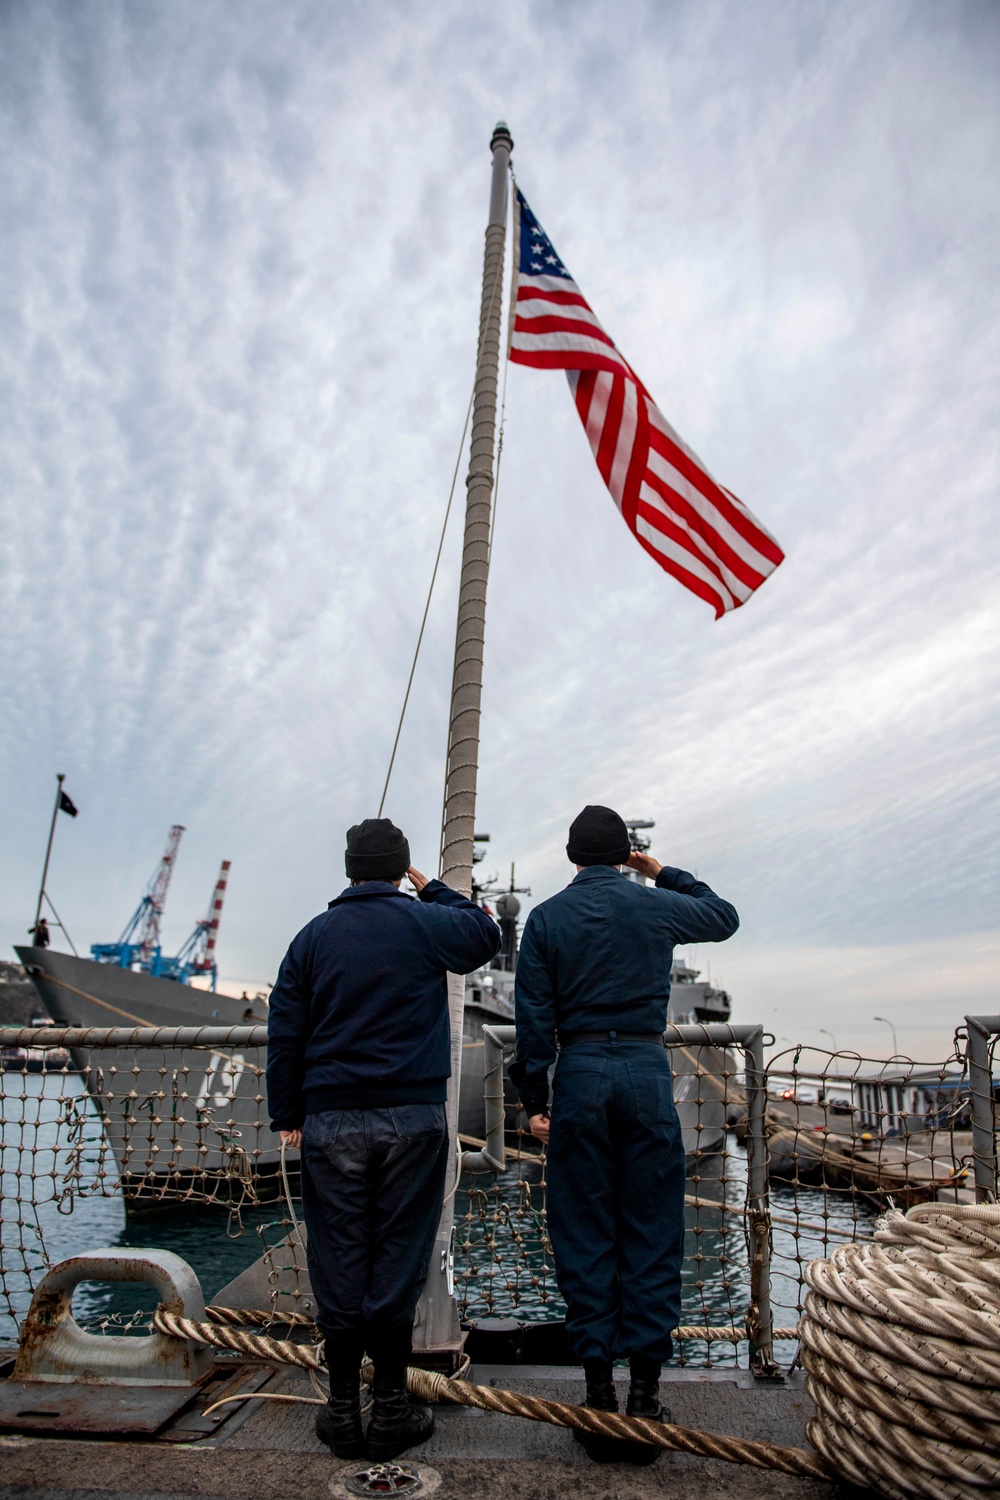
x=463, y=934
x=695, y=914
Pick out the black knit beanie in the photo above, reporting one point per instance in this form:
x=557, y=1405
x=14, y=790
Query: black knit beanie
x=376, y=850
x=598, y=837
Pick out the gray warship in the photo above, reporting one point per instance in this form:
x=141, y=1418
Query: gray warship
x=705, y=1091
x=178, y=1124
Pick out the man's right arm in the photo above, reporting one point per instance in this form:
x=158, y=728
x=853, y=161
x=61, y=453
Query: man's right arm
x=697, y=914
x=465, y=936
x=287, y=1034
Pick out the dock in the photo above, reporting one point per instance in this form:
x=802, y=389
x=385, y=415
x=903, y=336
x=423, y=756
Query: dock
x=268, y=1450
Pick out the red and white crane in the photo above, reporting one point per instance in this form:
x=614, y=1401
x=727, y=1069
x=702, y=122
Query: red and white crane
x=197, y=956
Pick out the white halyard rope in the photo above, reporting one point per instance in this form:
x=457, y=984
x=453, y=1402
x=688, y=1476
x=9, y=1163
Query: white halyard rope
x=901, y=1341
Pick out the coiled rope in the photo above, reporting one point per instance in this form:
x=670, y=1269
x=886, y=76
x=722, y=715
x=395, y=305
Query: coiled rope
x=901, y=1339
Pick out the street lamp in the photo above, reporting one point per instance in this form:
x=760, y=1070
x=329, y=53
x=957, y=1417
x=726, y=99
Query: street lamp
x=885, y=1022
x=823, y=1032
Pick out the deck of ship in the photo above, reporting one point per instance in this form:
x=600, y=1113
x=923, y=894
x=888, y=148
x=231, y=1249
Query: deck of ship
x=268, y=1450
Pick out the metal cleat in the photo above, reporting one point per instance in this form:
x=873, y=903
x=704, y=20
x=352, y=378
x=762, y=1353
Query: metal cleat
x=66, y=1380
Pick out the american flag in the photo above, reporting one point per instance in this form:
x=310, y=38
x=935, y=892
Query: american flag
x=692, y=526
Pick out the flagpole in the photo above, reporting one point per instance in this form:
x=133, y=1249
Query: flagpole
x=467, y=680
x=438, y=1329
x=60, y=778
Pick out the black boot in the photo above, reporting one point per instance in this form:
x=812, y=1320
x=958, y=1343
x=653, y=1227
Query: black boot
x=339, y=1423
x=644, y=1401
x=601, y=1396
x=398, y=1421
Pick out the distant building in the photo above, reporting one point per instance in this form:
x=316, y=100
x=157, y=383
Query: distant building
x=909, y=1099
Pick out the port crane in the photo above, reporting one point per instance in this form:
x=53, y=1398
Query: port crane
x=197, y=955
x=140, y=946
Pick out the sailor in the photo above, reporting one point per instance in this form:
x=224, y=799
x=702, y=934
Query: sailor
x=40, y=933
x=592, y=989
x=358, y=1060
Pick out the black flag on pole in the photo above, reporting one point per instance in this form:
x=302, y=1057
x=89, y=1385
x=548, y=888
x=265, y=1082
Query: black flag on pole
x=67, y=805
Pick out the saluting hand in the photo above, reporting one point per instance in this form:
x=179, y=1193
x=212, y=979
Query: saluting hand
x=417, y=880
x=539, y=1127
x=645, y=864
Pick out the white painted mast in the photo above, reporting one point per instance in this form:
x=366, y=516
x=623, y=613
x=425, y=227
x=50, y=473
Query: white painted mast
x=438, y=1329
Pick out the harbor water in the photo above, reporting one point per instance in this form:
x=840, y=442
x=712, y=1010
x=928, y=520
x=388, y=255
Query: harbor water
x=58, y=1198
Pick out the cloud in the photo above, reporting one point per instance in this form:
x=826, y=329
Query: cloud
x=237, y=335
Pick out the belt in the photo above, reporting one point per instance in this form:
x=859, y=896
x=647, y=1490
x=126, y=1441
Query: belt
x=572, y=1038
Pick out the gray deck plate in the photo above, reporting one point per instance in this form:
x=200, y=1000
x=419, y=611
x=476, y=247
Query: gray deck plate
x=54, y=1406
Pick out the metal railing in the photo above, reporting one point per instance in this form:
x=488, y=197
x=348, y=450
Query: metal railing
x=492, y=1157
x=786, y=1159
x=981, y=1034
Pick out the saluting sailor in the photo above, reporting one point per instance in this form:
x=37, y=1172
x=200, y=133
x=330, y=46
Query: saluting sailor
x=358, y=1060
x=593, y=981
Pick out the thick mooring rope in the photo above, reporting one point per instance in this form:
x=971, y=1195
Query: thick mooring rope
x=256, y=1317
x=901, y=1340
x=431, y=1386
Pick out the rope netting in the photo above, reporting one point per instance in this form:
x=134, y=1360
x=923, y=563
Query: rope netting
x=851, y=1136
x=184, y=1129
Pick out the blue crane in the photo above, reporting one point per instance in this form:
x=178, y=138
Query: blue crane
x=139, y=945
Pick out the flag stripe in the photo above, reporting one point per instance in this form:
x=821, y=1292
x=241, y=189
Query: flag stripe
x=695, y=529
x=556, y=323
x=659, y=517
x=570, y=341
x=625, y=441
x=555, y=358
x=554, y=299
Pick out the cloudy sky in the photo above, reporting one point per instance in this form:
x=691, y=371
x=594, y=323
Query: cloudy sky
x=241, y=250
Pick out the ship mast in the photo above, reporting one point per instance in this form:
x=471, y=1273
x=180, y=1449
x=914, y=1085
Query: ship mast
x=438, y=1326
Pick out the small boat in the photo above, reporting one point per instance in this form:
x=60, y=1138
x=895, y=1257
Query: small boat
x=35, y=1059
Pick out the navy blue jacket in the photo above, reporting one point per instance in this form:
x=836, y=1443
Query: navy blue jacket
x=358, y=1018
x=597, y=957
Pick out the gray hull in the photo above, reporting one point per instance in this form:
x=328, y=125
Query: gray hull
x=183, y=1123
x=192, y=1122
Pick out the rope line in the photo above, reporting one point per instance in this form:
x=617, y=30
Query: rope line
x=427, y=606
x=258, y=1317
x=429, y=1385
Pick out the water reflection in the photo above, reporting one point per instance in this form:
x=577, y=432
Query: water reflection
x=503, y=1259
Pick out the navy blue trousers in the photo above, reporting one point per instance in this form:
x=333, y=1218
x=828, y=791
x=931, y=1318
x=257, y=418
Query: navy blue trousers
x=372, y=1189
x=616, y=1198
